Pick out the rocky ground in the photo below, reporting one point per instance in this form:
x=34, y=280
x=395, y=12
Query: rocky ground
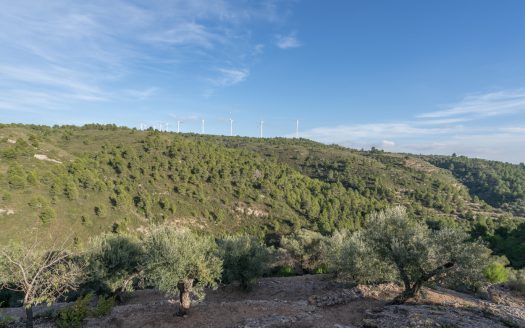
x=317, y=301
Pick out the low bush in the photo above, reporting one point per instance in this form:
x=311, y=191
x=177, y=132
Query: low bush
x=496, y=272
x=104, y=306
x=114, y=263
x=286, y=271
x=244, y=260
x=516, y=281
x=47, y=214
x=305, y=250
x=73, y=315
x=6, y=321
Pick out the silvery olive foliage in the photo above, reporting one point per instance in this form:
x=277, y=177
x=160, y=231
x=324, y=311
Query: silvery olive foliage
x=174, y=256
x=245, y=259
x=41, y=274
x=393, y=247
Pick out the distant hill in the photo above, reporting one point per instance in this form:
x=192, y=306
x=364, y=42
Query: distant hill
x=101, y=177
x=500, y=184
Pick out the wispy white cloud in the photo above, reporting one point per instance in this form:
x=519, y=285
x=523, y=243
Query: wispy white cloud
x=100, y=51
x=496, y=145
x=499, y=143
x=141, y=94
x=482, y=105
x=374, y=131
x=287, y=41
x=228, y=76
x=56, y=77
x=187, y=33
x=442, y=132
x=441, y=121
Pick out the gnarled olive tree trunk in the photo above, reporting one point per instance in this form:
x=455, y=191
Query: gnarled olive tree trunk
x=185, y=288
x=29, y=316
x=413, y=289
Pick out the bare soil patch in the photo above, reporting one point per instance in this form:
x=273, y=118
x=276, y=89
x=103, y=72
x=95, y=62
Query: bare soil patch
x=315, y=301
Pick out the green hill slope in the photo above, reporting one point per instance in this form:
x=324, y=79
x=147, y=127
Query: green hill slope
x=396, y=178
x=499, y=184
x=99, y=178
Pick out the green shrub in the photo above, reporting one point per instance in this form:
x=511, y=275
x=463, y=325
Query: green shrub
x=6, y=197
x=32, y=178
x=113, y=263
x=16, y=177
x=244, y=260
x=9, y=153
x=47, y=214
x=16, y=181
x=323, y=268
x=71, y=190
x=286, y=271
x=38, y=203
x=73, y=315
x=496, y=273
x=304, y=249
x=104, y=306
x=516, y=281
x=33, y=140
x=5, y=321
x=100, y=211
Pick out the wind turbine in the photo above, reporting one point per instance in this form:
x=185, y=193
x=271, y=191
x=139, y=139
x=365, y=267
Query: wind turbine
x=231, y=126
x=178, y=126
x=262, y=123
x=297, y=129
x=202, y=126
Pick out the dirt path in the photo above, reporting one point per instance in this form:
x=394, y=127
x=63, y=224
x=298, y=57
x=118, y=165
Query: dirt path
x=274, y=302
x=313, y=302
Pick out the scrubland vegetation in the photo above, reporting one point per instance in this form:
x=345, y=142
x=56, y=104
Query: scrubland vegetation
x=183, y=213
x=391, y=248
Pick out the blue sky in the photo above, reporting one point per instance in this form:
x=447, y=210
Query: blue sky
x=411, y=76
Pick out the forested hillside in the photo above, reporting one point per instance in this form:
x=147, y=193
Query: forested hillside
x=86, y=180
x=499, y=184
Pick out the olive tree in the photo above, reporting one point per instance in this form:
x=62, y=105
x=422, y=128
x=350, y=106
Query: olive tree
x=306, y=250
x=41, y=275
x=350, y=258
x=394, y=247
x=181, y=262
x=244, y=259
x=114, y=262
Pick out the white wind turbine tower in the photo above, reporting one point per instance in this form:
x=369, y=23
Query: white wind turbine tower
x=262, y=123
x=231, y=127
x=297, y=129
x=202, y=126
x=178, y=126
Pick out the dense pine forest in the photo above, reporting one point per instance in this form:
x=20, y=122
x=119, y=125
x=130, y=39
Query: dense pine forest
x=101, y=178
